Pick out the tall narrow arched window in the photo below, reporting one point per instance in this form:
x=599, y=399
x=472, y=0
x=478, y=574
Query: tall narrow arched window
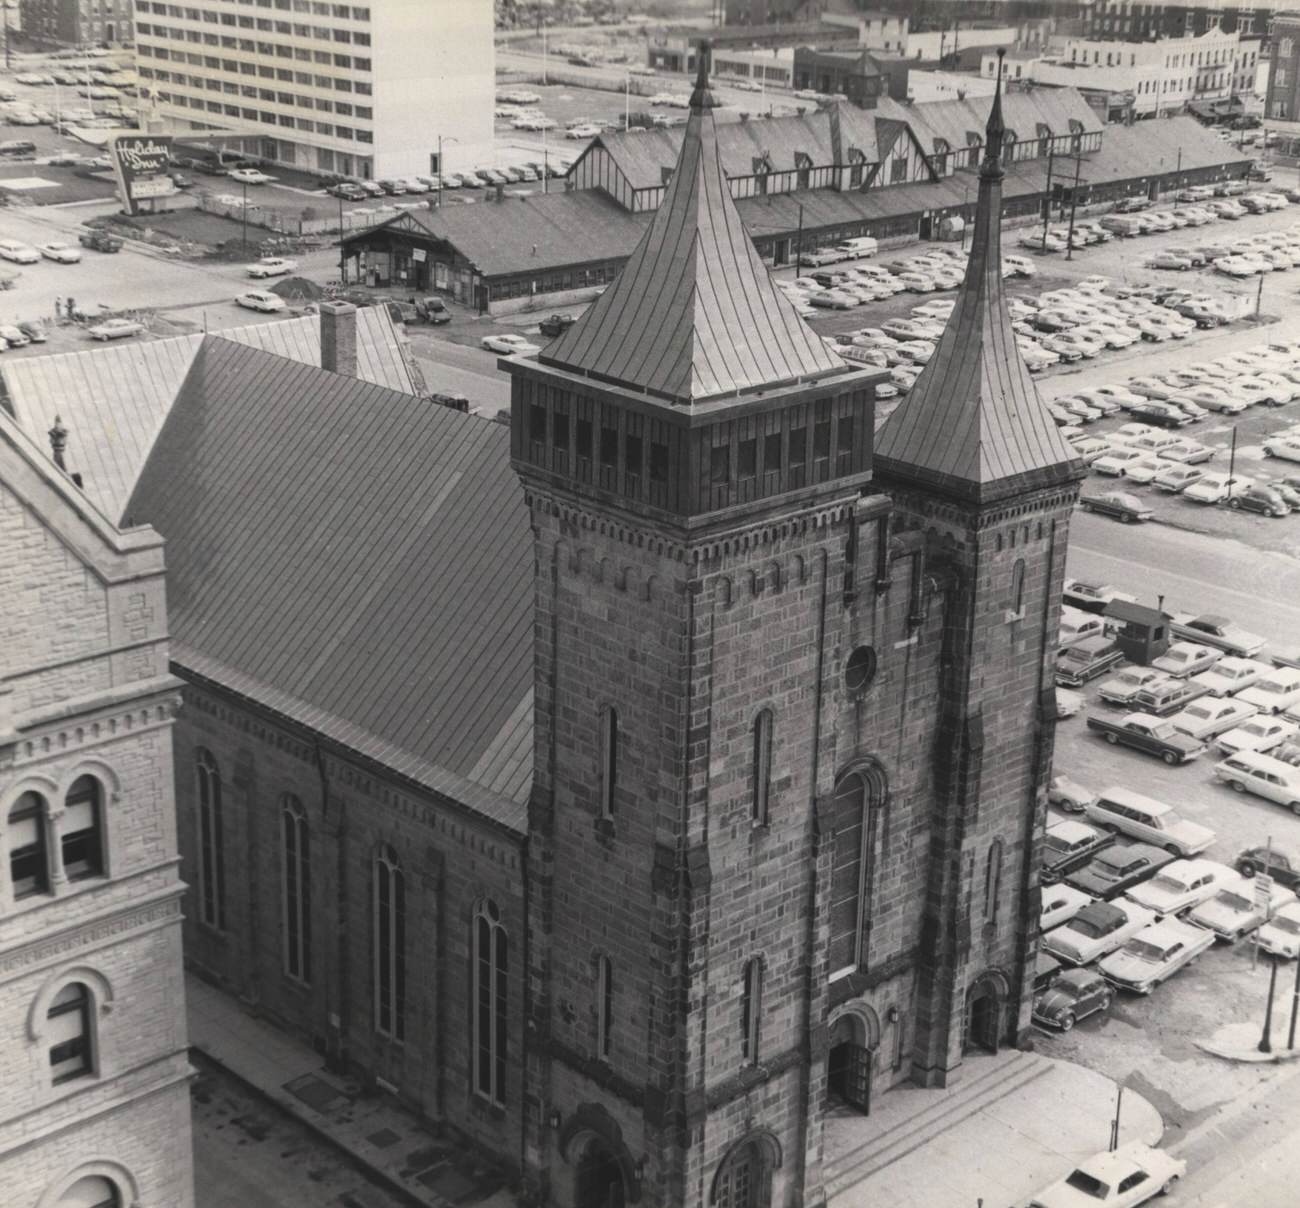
x=83, y=830
x=608, y=759
x=212, y=857
x=993, y=881
x=604, y=1006
x=1017, y=601
x=29, y=857
x=762, y=767
x=390, y=945
x=296, y=854
x=855, y=817
x=751, y=1008
x=491, y=967
x=69, y=1033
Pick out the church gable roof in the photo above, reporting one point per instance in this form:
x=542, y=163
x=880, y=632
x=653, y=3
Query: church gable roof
x=354, y=558
x=694, y=314
x=973, y=424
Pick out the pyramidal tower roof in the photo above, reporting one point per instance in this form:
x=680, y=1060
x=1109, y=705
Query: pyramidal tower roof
x=694, y=316
x=973, y=425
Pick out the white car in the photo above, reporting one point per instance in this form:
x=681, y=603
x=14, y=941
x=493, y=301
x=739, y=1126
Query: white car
x=510, y=345
x=272, y=266
x=1146, y=471
x=260, y=299
x=1275, y=692
x=1233, y=913
x=1098, y=928
x=19, y=253
x=1060, y=903
x=1214, y=488
x=1187, y=658
x=1180, y=885
x=249, y=176
x=1280, y=936
x=586, y=130
x=1155, y=954
x=1124, y=1178
x=1211, y=716
x=1230, y=675
x=1018, y=266
x=1116, y=461
x=1286, y=447
x=1260, y=735
x=63, y=253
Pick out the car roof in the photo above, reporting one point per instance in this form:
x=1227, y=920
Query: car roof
x=1071, y=830
x=1102, y=913
x=1169, y=931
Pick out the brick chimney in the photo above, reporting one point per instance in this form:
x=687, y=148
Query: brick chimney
x=338, y=337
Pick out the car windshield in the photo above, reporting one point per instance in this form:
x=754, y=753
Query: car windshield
x=1056, y=843
x=1165, y=881
x=1086, y=927
x=1198, y=711
x=1258, y=729
x=1081, y=1180
x=1270, y=686
x=1233, y=901
x=1286, y=923
x=1144, y=951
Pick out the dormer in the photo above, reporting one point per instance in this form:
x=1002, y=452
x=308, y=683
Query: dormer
x=1044, y=138
x=762, y=164
x=1009, y=145
x=1076, y=136
x=973, y=144
x=802, y=169
x=942, y=152
x=857, y=167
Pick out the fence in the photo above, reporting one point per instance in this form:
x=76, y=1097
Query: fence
x=311, y=220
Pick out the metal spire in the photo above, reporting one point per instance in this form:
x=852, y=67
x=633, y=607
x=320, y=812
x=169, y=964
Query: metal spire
x=995, y=131
x=701, y=97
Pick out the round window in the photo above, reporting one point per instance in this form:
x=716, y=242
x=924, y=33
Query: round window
x=860, y=669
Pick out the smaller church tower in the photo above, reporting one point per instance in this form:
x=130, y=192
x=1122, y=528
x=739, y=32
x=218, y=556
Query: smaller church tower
x=976, y=464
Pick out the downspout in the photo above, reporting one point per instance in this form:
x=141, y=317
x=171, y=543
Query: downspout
x=338, y=1017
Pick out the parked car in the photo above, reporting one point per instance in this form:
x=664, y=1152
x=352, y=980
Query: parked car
x=1122, y=688
x=1275, y=692
x=1117, y=868
x=1177, y=478
x=1233, y=911
x=250, y=176
x=1086, y=660
x=1210, y=629
x=1098, y=928
x=272, y=266
x=1180, y=885
x=1155, y=954
x=557, y=324
x=1230, y=675
x=1073, y=995
x=1207, y=718
x=1123, y=1178
x=1264, y=776
x=1186, y=659
x=1069, y=845
x=1215, y=488
x=1165, y=697
x=19, y=253
x=509, y=344
x=1259, y=735
x=349, y=191
x=1059, y=904
x=1259, y=498
x=260, y=300
x=114, y=329
x=60, y=252
x=1093, y=597
x=34, y=330
x=1148, y=821
x=1064, y=794
x=100, y=241
x=1119, y=504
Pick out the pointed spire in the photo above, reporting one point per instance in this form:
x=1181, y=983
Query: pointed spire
x=694, y=315
x=973, y=426
x=995, y=132
x=702, y=98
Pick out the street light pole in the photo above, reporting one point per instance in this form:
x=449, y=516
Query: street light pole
x=440, y=171
x=798, y=245
x=1047, y=193
x=243, y=218
x=1074, y=201
x=1266, y=1040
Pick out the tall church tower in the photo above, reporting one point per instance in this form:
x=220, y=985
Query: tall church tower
x=974, y=462
x=692, y=455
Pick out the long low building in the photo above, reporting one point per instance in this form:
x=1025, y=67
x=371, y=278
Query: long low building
x=802, y=182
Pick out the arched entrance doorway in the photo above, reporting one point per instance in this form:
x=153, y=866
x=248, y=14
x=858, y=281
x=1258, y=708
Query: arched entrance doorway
x=848, y=1064
x=983, y=1015
x=598, y=1178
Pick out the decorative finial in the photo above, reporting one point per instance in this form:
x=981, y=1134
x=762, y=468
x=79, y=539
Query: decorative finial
x=58, y=442
x=702, y=98
x=996, y=129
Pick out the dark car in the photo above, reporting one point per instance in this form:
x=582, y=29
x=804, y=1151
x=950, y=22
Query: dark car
x=1282, y=865
x=1046, y=970
x=34, y=331
x=100, y=241
x=349, y=191
x=181, y=181
x=557, y=324
x=1085, y=660
x=1132, y=205
x=1116, y=869
x=1074, y=995
x=1161, y=415
x=432, y=310
x=1069, y=845
x=393, y=187
x=1119, y=504
x=209, y=167
x=1259, y=498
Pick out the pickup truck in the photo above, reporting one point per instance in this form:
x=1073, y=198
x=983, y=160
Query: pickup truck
x=1154, y=735
x=1085, y=660
x=100, y=241
x=1210, y=630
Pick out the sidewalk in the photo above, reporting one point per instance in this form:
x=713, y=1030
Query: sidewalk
x=1014, y=1124
x=411, y=1156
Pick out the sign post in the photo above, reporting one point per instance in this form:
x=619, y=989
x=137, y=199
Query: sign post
x=140, y=161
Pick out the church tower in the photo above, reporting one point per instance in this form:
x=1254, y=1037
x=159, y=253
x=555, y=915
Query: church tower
x=974, y=462
x=693, y=458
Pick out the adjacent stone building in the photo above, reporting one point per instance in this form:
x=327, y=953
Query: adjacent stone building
x=631, y=786
x=95, y=1103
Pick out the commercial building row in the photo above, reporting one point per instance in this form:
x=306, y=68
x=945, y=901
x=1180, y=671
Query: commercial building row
x=893, y=172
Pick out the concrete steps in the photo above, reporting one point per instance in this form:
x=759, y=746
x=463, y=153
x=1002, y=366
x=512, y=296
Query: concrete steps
x=910, y=1117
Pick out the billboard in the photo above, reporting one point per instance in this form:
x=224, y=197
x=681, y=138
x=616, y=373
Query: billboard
x=140, y=161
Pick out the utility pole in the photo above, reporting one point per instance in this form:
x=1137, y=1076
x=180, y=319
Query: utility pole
x=1266, y=1040
x=1295, y=1004
x=1074, y=201
x=1232, y=466
x=243, y=218
x=1047, y=195
x=798, y=245
x=341, y=253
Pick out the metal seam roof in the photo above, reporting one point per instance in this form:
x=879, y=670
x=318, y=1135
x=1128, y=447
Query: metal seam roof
x=356, y=554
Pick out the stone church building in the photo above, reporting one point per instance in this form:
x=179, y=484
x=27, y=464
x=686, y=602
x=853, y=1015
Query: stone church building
x=631, y=786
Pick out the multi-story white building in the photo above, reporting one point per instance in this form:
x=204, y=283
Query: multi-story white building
x=1163, y=75
x=364, y=91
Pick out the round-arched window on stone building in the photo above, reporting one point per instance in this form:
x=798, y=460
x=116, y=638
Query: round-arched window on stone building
x=860, y=670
